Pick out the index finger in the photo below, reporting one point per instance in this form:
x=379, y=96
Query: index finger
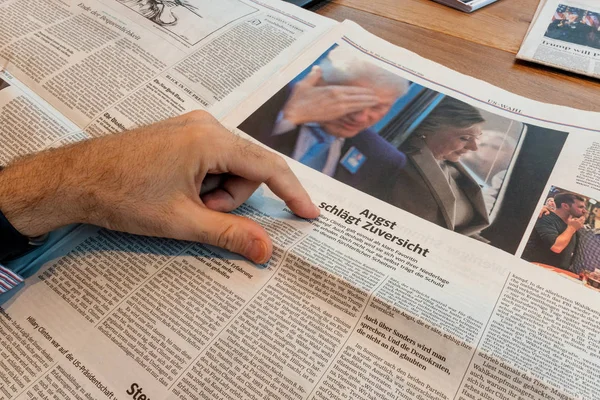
x=251, y=161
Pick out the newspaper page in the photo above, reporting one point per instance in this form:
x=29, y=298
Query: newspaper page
x=29, y=124
x=419, y=293
x=566, y=35
x=155, y=58
x=531, y=169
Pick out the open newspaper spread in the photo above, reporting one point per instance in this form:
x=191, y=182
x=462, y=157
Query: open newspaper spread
x=411, y=283
x=565, y=34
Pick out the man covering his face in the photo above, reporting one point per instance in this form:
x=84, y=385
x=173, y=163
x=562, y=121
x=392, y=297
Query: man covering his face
x=325, y=119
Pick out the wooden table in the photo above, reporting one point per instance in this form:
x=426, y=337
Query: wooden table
x=482, y=44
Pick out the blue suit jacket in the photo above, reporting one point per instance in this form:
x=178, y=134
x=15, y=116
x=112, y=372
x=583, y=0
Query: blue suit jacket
x=375, y=176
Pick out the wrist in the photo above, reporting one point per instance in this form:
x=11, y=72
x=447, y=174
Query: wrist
x=571, y=230
x=290, y=113
x=290, y=118
x=33, y=197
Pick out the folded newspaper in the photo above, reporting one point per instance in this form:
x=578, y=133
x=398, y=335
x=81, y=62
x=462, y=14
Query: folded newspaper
x=565, y=34
x=455, y=257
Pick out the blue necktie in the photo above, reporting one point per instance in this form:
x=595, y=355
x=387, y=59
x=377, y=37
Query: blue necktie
x=316, y=156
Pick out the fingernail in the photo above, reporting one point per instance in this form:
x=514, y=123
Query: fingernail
x=317, y=209
x=257, y=251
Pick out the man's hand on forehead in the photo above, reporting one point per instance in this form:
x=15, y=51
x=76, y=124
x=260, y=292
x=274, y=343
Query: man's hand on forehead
x=311, y=101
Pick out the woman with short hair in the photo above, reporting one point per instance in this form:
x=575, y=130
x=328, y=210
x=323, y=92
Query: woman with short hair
x=434, y=185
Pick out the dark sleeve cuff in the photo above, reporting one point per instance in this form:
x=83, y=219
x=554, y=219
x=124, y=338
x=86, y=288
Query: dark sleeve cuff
x=12, y=242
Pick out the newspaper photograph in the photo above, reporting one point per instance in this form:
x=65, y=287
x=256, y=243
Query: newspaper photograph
x=565, y=34
x=432, y=155
x=575, y=25
x=566, y=237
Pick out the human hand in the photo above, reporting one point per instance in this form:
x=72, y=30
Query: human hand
x=309, y=102
x=544, y=211
x=148, y=181
x=577, y=223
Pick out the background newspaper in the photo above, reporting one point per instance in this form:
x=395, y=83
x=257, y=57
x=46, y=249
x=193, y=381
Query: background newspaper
x=344, y=309
x=566, y=35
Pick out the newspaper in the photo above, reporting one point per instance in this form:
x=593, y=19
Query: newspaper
x=566, y=35
x=410, y=285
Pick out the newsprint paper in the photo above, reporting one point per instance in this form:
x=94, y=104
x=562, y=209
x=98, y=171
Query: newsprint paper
x=565, y=34
x=455, y=257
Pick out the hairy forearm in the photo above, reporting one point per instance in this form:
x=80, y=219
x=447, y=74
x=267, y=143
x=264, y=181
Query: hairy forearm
x=148, y=182
x=562, y=241
x=36, y=194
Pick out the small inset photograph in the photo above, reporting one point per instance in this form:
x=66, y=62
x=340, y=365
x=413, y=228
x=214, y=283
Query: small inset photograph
x=566, y=236
x=575, y=25
x=191, y=20
x=449, y=162
x=3, y=84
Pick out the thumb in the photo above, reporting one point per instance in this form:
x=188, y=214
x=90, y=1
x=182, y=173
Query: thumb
x=313, y=77
x=234, y=233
